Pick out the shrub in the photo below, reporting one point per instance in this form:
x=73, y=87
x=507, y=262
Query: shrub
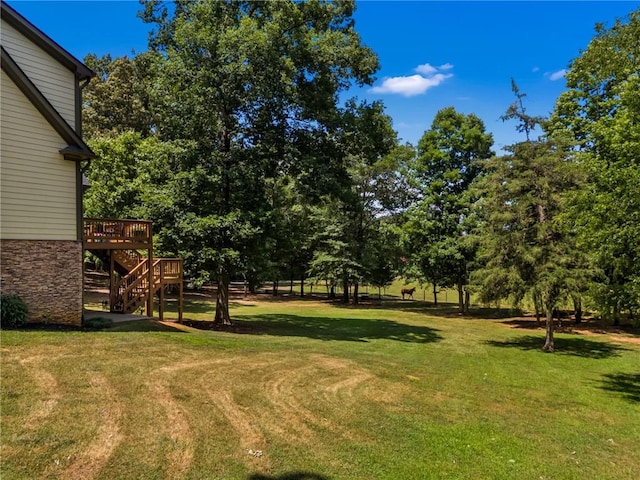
x=14, y=312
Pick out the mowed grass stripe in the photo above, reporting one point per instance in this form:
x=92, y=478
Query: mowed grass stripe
x=396, y=391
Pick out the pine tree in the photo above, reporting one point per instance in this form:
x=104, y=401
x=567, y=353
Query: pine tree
x=524, y=247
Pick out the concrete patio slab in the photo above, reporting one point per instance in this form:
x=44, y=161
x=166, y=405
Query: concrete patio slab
x=114, y=317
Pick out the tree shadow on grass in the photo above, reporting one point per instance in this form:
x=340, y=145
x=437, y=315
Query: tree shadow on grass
x=201, y=306
x=569, y=326
x=578, y=347
x=628, y=384
x=289, y=476
x=449, y=310
x=323, y=328
x=142, y=325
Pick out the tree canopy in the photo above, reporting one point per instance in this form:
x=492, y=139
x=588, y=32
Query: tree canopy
x=600, y=112
x=234, y=135
x=245, y=81
x=448, y=161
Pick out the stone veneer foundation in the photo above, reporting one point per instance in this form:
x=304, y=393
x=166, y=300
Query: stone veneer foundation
x=48, y=275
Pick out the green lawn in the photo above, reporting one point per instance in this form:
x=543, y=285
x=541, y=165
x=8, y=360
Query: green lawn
x=309, y=390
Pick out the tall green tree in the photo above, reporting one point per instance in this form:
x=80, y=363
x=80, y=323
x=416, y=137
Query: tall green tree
x=448, y=161
x=374, y=188
x=120, y=98
x=600, y=112
x=130, y=174
x=383, y=253
x=374, y=163
x=523, y=246
x=242, y=79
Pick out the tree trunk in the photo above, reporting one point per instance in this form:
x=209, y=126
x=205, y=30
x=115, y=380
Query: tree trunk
x=246, y=286
x=548, y=342
x=460, y=298
x=345, y=290
x=355, y=293
x=558, y=313
x=537, y=303
x=253, y=283
x=291, y=284
x=616, y=315
x=302, y=285
x=577, y=308
x=435, y=294
x=467, y=301
x=379, y=293
x=222, y=299
x=332, y=292
x=274, y=288
x=542, y=216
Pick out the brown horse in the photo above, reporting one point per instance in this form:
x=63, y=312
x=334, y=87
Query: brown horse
x=408, y=291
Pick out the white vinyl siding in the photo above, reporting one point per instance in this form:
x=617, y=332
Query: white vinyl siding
x=37, y=185
x=55, y=81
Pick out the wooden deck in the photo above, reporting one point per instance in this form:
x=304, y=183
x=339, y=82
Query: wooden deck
x=135, y=276
x=110, y=234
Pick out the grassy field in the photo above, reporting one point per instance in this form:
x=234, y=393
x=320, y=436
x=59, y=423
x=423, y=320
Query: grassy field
x=311, y=390
x=445, y=295
x=393, y=291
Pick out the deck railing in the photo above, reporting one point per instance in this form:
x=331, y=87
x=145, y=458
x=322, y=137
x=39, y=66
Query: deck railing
x=102, y=230
x=167, y=270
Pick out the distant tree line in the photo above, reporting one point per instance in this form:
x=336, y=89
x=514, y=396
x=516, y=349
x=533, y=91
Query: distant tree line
x=228, y=134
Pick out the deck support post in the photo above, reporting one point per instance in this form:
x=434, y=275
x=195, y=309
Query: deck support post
x=161, y=303
x=150, y=273
x=112, y=284
x=180, y=292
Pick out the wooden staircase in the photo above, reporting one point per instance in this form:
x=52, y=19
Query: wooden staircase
x=135, y=276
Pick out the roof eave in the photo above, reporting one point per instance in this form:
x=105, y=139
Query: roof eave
x=73, y=152
x=77, y=149
x=37, y=36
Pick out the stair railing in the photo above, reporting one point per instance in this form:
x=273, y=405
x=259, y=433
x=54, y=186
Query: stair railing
x=134, y=287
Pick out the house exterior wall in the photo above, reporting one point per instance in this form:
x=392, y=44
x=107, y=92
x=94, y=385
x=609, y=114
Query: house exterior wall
x=40, y=191
x=37, y=185
x=53, y=79
x=47, y=274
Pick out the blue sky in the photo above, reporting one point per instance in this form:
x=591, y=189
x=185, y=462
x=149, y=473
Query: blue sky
x=432, y=54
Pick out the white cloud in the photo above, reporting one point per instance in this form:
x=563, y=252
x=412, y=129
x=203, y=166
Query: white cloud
x=557, y=75
x=535, y=69
x=426, y=69
x=409, y=86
